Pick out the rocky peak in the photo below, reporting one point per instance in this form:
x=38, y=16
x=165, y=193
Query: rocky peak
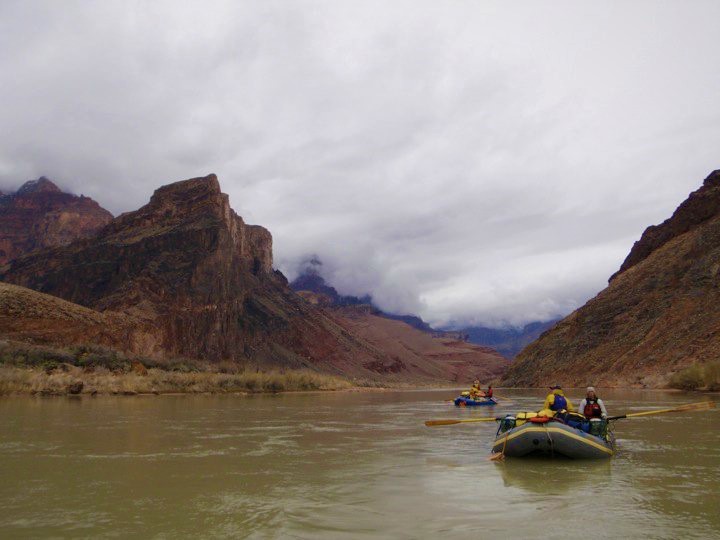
x=309, y=279
x=190, y=206
x=186, y=201
x=699, y=207
x=713, y=179
x=41, y=185
x=187, y=192
x=40, y=215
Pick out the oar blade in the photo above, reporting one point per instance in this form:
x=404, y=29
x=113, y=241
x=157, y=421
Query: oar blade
x=702, y=406
x=431, y=423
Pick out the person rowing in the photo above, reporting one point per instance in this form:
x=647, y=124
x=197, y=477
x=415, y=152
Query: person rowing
x=592, y=406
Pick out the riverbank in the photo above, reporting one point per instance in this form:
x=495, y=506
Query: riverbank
x=74, y=380
x=46, y=370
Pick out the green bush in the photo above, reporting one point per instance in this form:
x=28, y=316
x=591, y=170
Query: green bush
x=698, y=376
x=34, y=357
x=274, y=385
x=688, y=379
x=711, y=373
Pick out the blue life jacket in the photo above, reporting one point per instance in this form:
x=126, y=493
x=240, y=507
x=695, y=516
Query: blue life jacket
x=559, y=404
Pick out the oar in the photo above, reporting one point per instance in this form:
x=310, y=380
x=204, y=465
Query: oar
x=430, y=423
x=702, y=406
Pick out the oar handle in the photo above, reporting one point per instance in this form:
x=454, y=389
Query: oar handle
x=616, y=417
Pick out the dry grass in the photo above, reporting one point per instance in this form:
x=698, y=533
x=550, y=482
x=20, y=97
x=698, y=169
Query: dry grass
x=14, y=380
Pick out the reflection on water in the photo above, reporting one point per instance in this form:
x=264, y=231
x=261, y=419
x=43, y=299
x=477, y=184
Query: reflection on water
x=350, y=465
x=542, y=475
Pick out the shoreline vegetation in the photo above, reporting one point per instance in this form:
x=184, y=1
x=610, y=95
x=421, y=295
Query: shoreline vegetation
x=698, y=377
x=75, y=381
x=91, y=370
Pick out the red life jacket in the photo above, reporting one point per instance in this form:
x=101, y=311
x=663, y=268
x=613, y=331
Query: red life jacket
x=489, y=392
x=592, y=409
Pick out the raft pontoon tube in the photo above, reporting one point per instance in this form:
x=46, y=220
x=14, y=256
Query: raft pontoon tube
x=551, y=438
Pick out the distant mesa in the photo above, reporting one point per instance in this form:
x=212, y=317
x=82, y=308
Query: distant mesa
x=659, y=314
x=39, y=215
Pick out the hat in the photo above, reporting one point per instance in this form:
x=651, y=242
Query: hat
x=591, y=389
x=556, y=387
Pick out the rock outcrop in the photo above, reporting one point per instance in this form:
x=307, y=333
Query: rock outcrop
x=39, y=215
x=660, y=312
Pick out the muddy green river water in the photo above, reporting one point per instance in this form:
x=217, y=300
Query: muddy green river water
x=342, y=465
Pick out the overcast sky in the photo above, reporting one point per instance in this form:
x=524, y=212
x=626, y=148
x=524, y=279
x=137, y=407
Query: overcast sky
x=484, y=162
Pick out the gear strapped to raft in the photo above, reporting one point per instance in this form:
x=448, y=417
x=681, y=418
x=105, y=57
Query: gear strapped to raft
x=593, y=426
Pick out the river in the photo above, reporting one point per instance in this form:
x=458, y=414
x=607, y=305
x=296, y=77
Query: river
x=342, y=465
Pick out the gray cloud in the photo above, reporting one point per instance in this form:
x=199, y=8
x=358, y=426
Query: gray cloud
x=466, y=161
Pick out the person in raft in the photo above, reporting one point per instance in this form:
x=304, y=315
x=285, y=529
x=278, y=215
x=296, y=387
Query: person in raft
x=555, y=402
x=488, y=394
x=592, y=406
x=476, y=391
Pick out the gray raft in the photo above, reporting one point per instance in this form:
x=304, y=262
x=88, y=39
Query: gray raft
x=553, y=439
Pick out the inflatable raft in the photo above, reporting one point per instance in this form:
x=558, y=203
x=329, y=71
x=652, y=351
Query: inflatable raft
x=464, y=401
x=545, y=437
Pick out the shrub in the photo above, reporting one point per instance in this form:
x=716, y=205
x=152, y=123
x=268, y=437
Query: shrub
x=274, y=384
x=688, y=379
x=711, y=374
x=698, y=376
